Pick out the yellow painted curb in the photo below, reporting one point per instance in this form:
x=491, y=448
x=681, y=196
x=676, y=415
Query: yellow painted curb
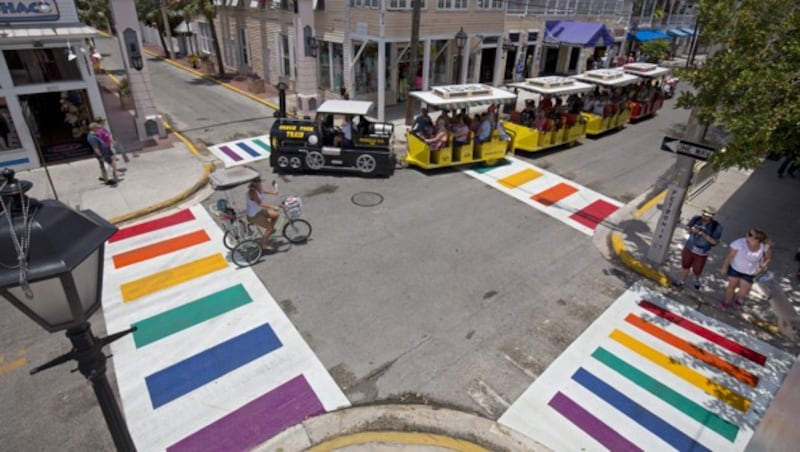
x=400, y=438
x=634, y=264
x=181, y=137
x=163, y=205
x=650, y=204
x=223, y=84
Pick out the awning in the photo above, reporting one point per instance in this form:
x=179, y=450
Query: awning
x=677, y=32
x=649, y=35
x=687, y=30
x=51, y=34
x=584, y=34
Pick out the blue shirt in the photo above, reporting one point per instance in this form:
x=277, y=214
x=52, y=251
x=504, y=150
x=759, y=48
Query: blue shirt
x=97, y=142
x=698, y=244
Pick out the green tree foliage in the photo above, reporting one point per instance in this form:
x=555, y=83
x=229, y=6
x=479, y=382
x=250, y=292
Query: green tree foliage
x=206, y=9
x=750, y=83
x=656, y=50
x=95, y=13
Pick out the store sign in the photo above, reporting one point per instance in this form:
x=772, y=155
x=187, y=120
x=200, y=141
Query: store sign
x=28, y=11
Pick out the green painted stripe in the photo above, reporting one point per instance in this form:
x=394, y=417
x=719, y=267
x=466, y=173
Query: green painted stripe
x=266, y=147
x=485, y=169
x=185, y=316
x=668, y=395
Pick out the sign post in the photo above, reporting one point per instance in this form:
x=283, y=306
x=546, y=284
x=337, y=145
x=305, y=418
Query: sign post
x=687, y=152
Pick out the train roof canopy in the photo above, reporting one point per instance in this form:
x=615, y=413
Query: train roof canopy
x=607, y=77
x=462, y=96
x=553, y=86
x=345, y=107
x=648, y=70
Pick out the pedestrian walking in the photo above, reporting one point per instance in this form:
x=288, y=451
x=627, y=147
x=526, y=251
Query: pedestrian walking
x=103, y=154
x=704, y=233
x=791, y=163
x=749, y=257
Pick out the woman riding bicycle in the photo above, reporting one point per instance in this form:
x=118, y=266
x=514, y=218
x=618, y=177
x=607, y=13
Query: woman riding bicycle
x=260, y=212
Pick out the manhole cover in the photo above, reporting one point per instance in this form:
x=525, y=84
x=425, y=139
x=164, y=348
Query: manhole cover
x=367, y=199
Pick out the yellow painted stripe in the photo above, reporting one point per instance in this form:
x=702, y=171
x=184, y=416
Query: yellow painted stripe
x=172, y=277
x=697, y=379
x=517, y=179
x=399, y=438
x=16, y=364
x=650, y=204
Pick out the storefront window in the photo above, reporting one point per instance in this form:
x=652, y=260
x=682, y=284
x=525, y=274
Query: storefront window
x=330, y=56
x=8, y=133
x=41, y=66
x=366, y=71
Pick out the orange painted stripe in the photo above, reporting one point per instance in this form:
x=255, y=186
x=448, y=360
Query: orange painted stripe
x=554, y=194
x=159, y=249
x=520, y=178
x=693, y=350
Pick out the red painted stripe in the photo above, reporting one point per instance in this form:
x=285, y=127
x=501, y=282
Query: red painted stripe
x=705, y=333
x=152, y=225
x=594, y=213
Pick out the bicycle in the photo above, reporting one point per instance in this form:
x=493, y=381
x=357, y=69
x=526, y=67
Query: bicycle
x=296, y=230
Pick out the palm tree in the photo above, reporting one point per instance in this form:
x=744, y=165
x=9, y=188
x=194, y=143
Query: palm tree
x=150, y=11
x=207, y=9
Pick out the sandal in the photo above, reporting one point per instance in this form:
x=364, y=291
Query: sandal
x=724, y=306
x=737, y=304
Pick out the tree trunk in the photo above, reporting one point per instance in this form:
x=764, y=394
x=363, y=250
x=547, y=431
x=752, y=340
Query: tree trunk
x=217, y=50
x=161, y=37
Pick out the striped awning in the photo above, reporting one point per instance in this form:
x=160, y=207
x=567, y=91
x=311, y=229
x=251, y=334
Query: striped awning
x=242, y=152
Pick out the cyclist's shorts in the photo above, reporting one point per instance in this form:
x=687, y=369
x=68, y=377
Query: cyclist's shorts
x=260, y=219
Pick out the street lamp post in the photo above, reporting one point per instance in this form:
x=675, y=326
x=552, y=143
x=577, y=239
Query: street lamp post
x=51, y=269
x=461, y=41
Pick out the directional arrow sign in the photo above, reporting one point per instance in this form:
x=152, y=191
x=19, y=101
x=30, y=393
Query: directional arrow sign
x=694, y=150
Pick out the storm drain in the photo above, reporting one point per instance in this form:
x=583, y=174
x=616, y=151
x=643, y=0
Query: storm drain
x=367, y=199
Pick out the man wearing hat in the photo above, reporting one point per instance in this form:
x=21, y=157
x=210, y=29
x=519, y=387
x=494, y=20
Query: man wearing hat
x=704, y=233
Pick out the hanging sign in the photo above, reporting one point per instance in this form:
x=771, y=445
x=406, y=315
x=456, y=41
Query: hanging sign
x=28, y=11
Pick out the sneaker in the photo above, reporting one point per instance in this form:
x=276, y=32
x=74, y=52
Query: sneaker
x=677, y=284
x=737, y=304
x=697, y=285
x=111, y=183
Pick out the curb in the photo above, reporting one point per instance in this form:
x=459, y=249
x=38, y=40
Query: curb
x=422, y=426
x=169, y=202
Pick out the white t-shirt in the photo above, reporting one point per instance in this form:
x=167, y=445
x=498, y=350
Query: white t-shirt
x=746, y=261
x=254, y=207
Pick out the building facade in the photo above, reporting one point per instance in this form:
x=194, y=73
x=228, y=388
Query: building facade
x=320, y=48
x=48, y=91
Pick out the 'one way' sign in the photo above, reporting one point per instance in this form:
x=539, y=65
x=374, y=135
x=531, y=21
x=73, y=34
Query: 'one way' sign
x=694, y=150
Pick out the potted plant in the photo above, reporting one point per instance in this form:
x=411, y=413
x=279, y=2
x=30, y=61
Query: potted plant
x=124, y=91
x=194, y=60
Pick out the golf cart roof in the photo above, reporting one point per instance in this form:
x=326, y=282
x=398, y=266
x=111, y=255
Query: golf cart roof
x=645, y=70
x=553, y=86
x=607, y=77
x=462, y=96
x=345, y=107
x=228, y=178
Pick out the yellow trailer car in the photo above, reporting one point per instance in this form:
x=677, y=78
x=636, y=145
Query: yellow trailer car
x=607, y=108
x=453, y=98
x=548, y=124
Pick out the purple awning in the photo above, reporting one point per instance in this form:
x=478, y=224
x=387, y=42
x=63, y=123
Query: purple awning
x=584, y=34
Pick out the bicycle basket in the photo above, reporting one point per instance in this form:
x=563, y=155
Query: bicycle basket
x=294, y=207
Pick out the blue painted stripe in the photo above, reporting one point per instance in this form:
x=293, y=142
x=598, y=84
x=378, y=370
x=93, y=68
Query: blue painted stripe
x=248, y=149
x=636, y=412
x=21, y=161
x=181, y=378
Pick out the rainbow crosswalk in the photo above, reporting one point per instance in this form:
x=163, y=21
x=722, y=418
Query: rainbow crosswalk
x=215, y=364
x=242, y=152
x=652, y=374
x=574, y=204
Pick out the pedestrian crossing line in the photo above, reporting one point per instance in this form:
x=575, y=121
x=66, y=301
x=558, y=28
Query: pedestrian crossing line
x=180, y=217
x=690, y=349
x=705, y=333
x=193, y=313
x=636, y=412
x=159, y=249
x=211, y=342
x=667, y=394
x=590, y=424
x=155, y=282
x=652, y=374
x=573, y=204
x=243, y=151
x=287, y=405
x=695, y=378
x=183, y=377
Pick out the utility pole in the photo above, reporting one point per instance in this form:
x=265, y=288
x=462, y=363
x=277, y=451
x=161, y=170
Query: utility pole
x=414, y=63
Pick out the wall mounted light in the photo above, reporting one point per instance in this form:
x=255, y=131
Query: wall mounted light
x=311, y=44
x=71, y=55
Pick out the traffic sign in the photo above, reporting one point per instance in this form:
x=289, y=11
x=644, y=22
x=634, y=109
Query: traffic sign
x=687, y=148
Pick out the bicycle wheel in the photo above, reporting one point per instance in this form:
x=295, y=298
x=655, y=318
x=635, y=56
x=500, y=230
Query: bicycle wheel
x=297, y=230
x=230, y=239
x=246, y=253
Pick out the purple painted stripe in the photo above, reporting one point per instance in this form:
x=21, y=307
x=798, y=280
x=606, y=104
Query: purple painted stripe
x=229, y=152
x=587, y=422
x=257, y=421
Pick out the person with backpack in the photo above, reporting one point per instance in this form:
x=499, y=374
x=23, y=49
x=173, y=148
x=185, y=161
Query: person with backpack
x=704, y=233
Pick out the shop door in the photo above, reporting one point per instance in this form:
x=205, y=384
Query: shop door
x=550, y=60
x=487, y=65
x=511, y=62
x=58, y=123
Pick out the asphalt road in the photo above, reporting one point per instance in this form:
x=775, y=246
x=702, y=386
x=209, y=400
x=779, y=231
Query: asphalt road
x=447, y=290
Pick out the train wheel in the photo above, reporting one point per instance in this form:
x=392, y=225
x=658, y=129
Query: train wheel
x=283, y=161
x=295, y=162
x=315, y=160
x=366, y=163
